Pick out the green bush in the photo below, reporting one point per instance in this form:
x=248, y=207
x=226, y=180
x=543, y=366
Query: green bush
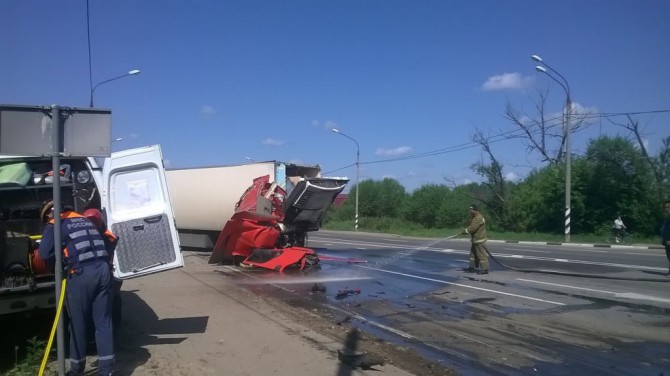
x=30, y=365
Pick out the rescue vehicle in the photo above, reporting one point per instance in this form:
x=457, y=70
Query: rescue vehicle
x=129, y=188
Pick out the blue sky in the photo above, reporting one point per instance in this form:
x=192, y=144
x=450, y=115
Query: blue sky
x=223, y=82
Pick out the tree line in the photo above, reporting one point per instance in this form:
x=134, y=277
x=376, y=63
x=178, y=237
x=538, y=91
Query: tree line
x=614, y=175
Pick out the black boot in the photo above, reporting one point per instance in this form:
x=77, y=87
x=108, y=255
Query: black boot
x=485, y=271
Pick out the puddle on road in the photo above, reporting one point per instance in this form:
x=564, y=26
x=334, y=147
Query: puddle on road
x=420, y=297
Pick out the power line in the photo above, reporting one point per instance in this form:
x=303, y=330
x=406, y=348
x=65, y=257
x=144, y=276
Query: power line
x=501, y=137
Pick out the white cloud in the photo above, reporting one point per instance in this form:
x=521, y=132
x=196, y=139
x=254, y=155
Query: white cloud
x=507, y=81
x=511, y=176
x=394, y=152
x=466, y=181
x=207, y=111
x=272, y=142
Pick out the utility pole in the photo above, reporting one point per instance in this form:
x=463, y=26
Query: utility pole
x=568, y=131
x=358, y=167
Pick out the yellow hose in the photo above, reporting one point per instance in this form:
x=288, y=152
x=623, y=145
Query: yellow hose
x=53, y=329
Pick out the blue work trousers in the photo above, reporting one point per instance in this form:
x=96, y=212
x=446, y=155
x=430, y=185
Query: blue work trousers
x=89, y=293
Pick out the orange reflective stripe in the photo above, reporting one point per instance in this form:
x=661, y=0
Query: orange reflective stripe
x=68, y=214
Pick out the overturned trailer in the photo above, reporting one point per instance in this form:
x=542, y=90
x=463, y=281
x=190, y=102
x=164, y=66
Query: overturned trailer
x=252, y=213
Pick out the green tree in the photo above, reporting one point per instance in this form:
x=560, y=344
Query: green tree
x=452, y=212
x=380, y=198
x=662, y=163
x=537, y=202
x=618, y=180
x=422, y=205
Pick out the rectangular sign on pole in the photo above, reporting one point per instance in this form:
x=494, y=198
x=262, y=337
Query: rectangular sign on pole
x=26, y=131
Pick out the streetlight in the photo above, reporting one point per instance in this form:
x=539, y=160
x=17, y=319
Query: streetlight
x=358, y=187
x=568, y=111
x=133, y=72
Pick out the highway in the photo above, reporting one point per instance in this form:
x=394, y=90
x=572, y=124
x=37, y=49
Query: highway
x=573, y=310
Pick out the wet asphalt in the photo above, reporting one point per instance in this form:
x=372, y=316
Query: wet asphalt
x=609, y=313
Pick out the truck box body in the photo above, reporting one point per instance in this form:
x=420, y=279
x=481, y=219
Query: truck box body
x=204, y=198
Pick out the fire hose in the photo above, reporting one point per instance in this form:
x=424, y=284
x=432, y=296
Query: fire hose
x=53, y=329
x=553, y=272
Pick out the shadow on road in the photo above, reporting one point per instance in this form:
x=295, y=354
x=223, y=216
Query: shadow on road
x=350, y=346
x=141, y=327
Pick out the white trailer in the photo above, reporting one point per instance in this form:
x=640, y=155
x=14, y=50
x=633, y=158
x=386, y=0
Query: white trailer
x=204, y=198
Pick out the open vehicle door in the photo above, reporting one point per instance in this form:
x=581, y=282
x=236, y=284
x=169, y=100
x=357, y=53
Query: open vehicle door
x=138, y=210
x=309, y=201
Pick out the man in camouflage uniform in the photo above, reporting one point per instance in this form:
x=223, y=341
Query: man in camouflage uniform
x=478, y=252
x=665, y=231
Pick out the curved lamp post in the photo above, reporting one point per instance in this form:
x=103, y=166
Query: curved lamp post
x=568, y=129
x=358, y=188
x=133, y=72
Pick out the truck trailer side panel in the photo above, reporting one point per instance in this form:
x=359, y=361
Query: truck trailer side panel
x=204, y=199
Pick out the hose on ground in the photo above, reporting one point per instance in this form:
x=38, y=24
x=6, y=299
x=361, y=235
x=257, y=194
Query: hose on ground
x=568, y=274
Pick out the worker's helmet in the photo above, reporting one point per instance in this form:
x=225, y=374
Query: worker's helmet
x=95, y=216
x=45, y=210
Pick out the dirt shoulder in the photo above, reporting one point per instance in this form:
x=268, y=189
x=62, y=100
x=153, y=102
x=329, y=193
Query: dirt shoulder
x=196, y=320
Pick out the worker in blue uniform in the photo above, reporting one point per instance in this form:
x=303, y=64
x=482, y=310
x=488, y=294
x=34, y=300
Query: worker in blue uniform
x=88, y=286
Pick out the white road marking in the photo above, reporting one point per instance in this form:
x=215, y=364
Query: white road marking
x=526, y=250
x=561, y=260
x=462, y=285
x=644, y=254
x=360, y=249
x=627, y=295
x=501, y=255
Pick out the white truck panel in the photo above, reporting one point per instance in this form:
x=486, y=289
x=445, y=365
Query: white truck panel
x=203, y=199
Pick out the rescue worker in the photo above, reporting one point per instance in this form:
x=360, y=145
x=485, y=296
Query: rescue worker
x=478, y=252
x=88, y=286
x=110, y=243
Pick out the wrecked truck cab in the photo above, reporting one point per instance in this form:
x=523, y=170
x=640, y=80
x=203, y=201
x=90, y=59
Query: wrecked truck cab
x=269, y=229
x=106, y=184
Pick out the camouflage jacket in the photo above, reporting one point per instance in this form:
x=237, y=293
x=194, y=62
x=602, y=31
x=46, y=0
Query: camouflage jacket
x=477, y=229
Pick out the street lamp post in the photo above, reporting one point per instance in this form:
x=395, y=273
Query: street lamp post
x=358, y=165
x=568, y=129
x=133, y=72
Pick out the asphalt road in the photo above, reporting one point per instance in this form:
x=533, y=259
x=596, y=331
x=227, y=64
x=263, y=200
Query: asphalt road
x=574, y=310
